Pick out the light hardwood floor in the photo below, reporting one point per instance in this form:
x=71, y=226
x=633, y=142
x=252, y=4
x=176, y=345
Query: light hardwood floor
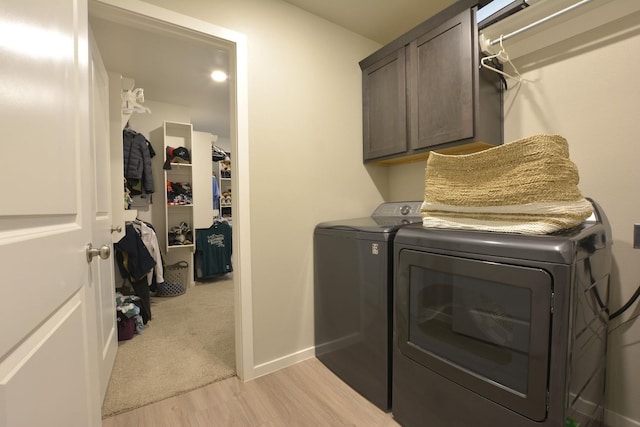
x=305, y=394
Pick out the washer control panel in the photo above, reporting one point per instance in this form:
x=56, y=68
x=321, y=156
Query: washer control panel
x=398, y=209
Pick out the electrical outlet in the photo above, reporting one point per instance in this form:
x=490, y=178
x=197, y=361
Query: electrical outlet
x=636, y=236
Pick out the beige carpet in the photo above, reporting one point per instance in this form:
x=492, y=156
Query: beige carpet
x=188, y=344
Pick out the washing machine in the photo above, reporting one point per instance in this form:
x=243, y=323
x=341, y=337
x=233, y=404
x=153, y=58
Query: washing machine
x=353, y=288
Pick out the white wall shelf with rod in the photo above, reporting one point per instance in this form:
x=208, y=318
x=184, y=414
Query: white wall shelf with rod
x=547, y=22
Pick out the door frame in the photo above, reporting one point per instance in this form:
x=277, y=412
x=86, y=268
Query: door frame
x=165, y=20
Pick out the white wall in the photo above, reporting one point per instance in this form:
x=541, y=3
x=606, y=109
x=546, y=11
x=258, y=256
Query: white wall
x=406, y=182
x=305, y=143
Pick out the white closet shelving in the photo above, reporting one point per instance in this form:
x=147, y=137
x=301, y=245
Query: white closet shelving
x=178, y=210
x=198, y=213
x=223, y=172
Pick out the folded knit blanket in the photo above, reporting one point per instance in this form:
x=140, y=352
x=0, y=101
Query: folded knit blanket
x=528, y=186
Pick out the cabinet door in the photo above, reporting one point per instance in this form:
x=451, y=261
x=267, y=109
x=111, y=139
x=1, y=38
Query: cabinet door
x=384, y=107
x=441, y=94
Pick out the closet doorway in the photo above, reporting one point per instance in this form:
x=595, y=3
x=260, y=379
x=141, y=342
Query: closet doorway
x=145, y=43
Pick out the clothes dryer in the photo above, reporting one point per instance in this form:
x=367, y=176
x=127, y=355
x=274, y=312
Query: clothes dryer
x=499, y=329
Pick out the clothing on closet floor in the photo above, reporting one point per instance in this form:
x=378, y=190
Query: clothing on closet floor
x=213, y=250
x=128, y=306
x=137, y=161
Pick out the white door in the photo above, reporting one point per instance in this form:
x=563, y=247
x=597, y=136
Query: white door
x=48, y=365
x=101, y=283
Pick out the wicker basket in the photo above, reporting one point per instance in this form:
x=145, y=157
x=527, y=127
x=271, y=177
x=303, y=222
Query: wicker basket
x=528, y=186
x=175, y=280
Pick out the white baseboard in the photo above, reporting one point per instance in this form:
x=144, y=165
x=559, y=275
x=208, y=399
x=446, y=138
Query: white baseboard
x=282, y=362
x=613, y=419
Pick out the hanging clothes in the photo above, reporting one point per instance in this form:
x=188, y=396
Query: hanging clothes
x=137, y=153
x=213, y=250
x=150, y=241
x=216, y=192
x=134, y=259
x=135, y=263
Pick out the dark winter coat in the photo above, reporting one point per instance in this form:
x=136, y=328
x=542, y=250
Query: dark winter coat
x=137, y=158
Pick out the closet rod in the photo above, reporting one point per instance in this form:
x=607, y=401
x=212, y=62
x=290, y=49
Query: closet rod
x=538, y=22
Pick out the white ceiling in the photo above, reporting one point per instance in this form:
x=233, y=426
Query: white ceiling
x=170, y=68
x=175, y=69
x=378, y=20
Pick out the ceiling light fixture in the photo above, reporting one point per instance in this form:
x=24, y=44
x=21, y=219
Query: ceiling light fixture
x=219, y=76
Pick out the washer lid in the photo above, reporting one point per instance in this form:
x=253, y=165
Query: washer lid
x=369, y=224
x=387, y=217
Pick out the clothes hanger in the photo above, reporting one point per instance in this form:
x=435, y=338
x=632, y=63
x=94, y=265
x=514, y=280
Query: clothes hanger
x=131, y=101
x=503, y=57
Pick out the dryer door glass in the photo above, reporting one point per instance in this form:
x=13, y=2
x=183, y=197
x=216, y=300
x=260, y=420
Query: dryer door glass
x=484, y=325
x=480, y=325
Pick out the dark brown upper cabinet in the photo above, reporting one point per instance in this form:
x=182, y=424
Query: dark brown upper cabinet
x=385, y=107
x=425, y=91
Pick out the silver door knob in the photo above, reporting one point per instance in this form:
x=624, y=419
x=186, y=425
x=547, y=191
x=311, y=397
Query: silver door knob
x=104, y=252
